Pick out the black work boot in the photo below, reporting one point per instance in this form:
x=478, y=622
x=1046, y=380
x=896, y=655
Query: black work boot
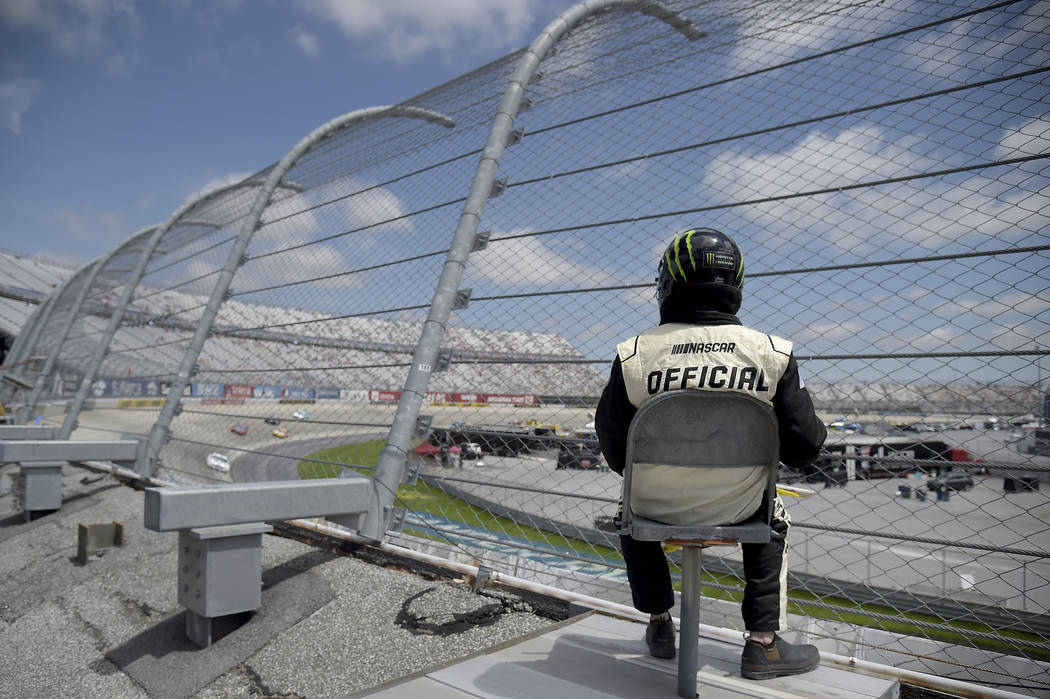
x=659, y=636
x=759, y=662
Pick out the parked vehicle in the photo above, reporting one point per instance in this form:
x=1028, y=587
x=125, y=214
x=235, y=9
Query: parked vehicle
x=301, y=415
x=471, y=451
x=218, y=461
x=579, y=456
x=239, y=429
x=279, y=432
x=952, y=480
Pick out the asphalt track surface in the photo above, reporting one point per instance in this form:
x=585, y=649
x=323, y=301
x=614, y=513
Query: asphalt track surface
x=911, y=559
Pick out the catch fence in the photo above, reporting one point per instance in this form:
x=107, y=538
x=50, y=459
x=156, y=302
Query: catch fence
x=882, y=165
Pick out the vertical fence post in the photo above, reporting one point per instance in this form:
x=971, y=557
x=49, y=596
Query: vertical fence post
x=391, y=462
x=162, y=427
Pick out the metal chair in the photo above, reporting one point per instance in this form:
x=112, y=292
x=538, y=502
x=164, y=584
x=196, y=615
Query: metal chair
x=691, y=428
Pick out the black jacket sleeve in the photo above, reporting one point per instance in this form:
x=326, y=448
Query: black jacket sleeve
x=801, y=432
x=612, y=418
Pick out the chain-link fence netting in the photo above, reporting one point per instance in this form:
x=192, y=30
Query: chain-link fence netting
x=883, y=167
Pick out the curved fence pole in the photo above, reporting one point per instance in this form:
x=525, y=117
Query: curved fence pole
x=26, y=334
x=161, y=428
x=91, y=269
x=131, y=284
x=391, y=464
x=23, y=344
x=99, y=265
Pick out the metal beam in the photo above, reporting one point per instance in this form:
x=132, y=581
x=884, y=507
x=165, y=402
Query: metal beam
x=10, y=432
x=172, y=508
x=20, y=450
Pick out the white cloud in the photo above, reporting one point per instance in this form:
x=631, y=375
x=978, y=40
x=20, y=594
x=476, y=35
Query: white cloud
x=1030, y=138
x=925, y=213
x=217, y=183
x=1006, y=308
x=973, y=46
x=830, y=332
x=89, y=225
x=760, y=45
x=16, y=96
x=72, y=25
x=531, y=262
x=286, y=250
x=410, y=28
x=306, y=42
x=642, y=296
x=632, y=170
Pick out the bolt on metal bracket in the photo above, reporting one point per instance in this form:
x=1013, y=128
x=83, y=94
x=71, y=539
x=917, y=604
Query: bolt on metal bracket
x=444, y=361
x=462, y=299
x=499, y=187
x=515, y=137
x=481, y=241
x=397, y=519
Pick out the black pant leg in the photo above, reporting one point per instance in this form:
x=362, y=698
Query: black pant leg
x=648, y=574
x=764, y=564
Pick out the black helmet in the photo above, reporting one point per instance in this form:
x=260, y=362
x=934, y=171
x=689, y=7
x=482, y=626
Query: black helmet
x=699, y=256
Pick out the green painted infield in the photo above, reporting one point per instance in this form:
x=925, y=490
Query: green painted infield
x=422, y=497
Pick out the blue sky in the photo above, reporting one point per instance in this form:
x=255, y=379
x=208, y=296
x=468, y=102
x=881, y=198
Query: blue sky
x=113, y=112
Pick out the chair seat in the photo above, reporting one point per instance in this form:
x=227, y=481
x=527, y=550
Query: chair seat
x=643, y=529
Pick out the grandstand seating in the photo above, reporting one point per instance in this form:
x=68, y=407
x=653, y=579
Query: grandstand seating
x=302, y=347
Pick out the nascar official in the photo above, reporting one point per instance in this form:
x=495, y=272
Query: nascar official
x=700, y=344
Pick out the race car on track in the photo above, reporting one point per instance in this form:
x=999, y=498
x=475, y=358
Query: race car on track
x=218, y=461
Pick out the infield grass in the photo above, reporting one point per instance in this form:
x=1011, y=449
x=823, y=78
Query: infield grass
x=422, y=497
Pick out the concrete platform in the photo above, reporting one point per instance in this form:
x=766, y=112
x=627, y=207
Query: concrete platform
x=597, y=655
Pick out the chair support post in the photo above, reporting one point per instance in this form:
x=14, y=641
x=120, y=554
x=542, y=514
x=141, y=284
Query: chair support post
x=689, y=633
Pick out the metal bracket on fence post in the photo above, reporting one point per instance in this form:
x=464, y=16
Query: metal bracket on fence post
x=481, y=241
x=411, y=473
x=462, y=299
x=499, y=187
x=423, y=425
x=444, y=361
x=516, y=137
x=481, y=579
x=397, y=519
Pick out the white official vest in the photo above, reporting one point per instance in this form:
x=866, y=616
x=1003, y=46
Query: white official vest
x=710, y=358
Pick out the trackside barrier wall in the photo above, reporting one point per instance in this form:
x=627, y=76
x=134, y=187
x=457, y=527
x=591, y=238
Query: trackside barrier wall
x=451, y=298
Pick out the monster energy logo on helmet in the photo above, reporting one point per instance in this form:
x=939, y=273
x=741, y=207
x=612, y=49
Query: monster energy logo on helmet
x=699, y=256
